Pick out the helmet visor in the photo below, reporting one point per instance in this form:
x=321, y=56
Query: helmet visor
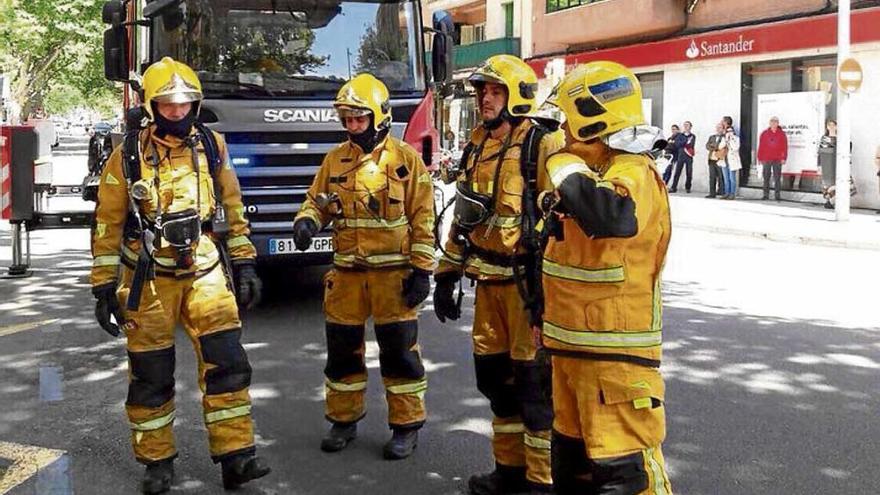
x=345, y=112
x=178, y=97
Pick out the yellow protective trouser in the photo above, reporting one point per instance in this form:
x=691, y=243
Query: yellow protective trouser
x=608, y=426
x=350, y=298
x=515, y=382
x=209, y=314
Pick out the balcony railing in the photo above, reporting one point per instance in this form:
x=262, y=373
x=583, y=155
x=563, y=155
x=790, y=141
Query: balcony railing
x=474, y=54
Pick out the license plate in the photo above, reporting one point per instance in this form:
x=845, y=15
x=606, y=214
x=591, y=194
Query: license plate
x=286, y=246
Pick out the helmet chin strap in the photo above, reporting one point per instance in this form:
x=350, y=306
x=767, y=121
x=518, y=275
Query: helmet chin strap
x=495, y=123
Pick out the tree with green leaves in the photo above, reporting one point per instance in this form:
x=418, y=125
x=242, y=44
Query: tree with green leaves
x=52, y=49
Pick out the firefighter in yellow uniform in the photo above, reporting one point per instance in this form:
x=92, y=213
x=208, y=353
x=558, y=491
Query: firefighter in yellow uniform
x=603, y=310
x=493, y=242
x=162, y=201
x=377, y=194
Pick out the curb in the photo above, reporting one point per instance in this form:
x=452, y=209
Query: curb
x=781, y=237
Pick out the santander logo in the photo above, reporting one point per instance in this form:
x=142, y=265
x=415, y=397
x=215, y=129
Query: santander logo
x=719, y=48
x=692, y=51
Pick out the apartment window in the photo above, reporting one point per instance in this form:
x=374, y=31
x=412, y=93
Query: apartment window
x=473, y=34
x=508, y=20
x=557, y=5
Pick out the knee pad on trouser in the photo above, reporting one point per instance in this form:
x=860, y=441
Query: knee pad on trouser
x=227, y=404
x=402, y=373
x=533, y=392
x=150, y=404
x=642, y=473
x=494, y=373
x=571, y=470
x=345, y=372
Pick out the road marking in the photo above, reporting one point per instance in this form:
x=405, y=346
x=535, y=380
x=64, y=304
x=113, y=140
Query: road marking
x=22, y=327
x=27, y=461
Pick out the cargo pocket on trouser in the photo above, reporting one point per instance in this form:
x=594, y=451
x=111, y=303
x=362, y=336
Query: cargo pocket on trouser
x=630, y=416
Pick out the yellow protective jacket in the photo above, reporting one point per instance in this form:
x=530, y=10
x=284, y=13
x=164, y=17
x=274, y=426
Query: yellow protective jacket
x=602, y=281
x=387, y=206
x=178, y=182
x=501, y=233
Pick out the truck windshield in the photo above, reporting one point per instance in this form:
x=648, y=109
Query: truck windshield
x=258, y=48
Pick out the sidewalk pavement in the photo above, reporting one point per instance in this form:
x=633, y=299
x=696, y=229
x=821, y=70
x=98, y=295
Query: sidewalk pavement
x=784, y=221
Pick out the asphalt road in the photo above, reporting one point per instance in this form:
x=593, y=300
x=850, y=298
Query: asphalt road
x=772, y=363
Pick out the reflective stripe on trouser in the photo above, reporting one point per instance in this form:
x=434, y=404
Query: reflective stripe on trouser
x=640, y=473
x=209, y=314
x=350, y=298
x=614, y=413
x=504, y=358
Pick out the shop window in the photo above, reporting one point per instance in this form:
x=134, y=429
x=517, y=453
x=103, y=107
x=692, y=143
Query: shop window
x=652, y=89
x=782, y=76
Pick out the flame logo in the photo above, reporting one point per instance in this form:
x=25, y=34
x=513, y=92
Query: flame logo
x=692, y=51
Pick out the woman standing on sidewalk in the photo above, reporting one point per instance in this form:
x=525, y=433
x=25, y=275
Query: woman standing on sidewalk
x=731, y=164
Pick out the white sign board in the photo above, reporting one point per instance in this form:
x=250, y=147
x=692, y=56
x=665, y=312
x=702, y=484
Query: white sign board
x=802, y=117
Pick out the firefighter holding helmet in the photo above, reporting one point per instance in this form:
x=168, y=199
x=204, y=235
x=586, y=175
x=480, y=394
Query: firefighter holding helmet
x=376, y=192
x=493, y=241
x=169, y=213
x=602, y=320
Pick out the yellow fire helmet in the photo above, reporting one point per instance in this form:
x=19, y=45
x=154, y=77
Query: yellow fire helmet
x=364, y=95
x=600, y=98
x=514, y=74
x=170, y=81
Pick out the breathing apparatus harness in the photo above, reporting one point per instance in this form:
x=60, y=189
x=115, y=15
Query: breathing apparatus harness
x=473, y=209
x=182, y=229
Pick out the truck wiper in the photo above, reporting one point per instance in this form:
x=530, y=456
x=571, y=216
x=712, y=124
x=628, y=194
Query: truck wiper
x=240, y=84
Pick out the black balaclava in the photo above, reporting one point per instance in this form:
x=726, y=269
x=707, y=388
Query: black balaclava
x=180, y=129
x=368, y=139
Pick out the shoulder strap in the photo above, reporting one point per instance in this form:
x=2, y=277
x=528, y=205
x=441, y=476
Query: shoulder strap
x=131, y=156
x=212, y=149
x=529, y=158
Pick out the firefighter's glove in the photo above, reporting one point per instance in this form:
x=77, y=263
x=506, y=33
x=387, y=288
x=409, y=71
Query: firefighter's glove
x=248, y=286
x=107, y=304
x=416, y=287
x=303, y=231
x=444, y=296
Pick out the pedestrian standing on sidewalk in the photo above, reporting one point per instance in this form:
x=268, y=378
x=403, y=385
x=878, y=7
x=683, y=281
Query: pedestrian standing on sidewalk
x=772, y=154
x=716, y=181
x=731, y=164
x=672, y=151
x=684, y=143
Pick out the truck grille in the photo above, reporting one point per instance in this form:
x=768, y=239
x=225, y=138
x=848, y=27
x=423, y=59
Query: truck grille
x=275, y=169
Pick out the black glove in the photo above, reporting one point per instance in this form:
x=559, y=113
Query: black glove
x=247, y=283
x=416, y=287
x=444, y=296
x=107, y=305
x=303, y=231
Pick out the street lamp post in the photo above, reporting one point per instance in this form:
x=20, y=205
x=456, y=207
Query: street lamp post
x=844, y=155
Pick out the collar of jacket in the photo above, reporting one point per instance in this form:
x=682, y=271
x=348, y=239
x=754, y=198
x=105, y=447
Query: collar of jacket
x=596, y=154
x=169, y=141
x=381, y=145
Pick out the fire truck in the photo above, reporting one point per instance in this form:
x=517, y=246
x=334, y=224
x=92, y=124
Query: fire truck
x=270, y=70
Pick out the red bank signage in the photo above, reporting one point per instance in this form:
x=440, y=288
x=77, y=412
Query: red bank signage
x=796, y=34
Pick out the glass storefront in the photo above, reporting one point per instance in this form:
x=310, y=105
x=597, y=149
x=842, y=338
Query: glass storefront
x=782, y=76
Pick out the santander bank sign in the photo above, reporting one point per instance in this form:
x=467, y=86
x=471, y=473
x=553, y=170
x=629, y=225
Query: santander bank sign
x=705, y=49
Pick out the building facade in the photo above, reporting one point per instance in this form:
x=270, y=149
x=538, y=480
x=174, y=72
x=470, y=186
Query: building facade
x=699, y=60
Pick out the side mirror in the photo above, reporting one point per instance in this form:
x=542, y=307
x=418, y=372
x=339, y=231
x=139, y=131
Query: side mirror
x=116, y=54
x=442, y=50
x=113, y=13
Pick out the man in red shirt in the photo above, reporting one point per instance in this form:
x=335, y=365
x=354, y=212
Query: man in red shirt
x=772, y=153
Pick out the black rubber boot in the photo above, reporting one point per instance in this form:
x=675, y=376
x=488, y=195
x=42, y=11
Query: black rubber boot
x=339, y=437
x=505, y=480
x=538, y=488
x=240, y=469
x=401, y=445
x=158, y=477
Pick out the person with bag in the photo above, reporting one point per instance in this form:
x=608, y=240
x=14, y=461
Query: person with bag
x=730, y=161
x=169, y=223
x=716, y=179
x=494, y=242
x=376, y=192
